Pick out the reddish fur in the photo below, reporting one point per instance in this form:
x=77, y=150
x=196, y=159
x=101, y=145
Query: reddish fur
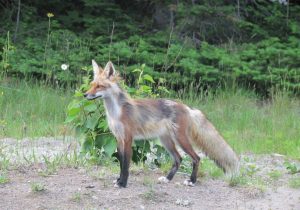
x=171, y=121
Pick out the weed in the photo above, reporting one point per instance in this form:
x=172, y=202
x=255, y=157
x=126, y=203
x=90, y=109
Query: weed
x=208, y=166
x=3, y=179
x=238, y=180
x=37, y=187
x=251, y=169
x=4, y=162
x=275, y=174
x=76, y=197
x=165, y=166
x=148, y=181
x=292, y=167
x=294, y=182
x=150, y=194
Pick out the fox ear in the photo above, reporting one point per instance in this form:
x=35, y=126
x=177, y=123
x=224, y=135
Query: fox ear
x=109, y=69
x=97, y=70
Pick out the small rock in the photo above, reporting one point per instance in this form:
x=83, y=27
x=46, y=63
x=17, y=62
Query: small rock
x=90, y=186
x=184, y=203
x=277, y=155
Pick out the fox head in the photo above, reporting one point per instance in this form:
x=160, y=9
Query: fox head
x=104, y=82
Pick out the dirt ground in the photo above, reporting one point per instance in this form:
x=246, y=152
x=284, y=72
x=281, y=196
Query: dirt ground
x=91, y=187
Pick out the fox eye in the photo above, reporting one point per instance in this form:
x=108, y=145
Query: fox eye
x=100, y=86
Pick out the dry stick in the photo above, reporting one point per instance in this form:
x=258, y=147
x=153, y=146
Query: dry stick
x=287, y=12
x=111, y=37
x=18, y=21
x=169, y=43
x=175, y=59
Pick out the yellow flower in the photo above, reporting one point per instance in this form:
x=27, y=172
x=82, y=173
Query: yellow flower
x=50, y=15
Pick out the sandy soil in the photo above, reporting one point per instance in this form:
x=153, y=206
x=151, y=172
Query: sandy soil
x=92, y=188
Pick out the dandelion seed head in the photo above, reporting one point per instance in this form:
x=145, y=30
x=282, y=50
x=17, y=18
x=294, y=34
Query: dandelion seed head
x=64, y=66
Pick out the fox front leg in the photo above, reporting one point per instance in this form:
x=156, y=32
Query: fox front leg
x=120, y=158
x=125, y=153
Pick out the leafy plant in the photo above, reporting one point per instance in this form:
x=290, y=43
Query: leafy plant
x=88, y=118
x=292, y=167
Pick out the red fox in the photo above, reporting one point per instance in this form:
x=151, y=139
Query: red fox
x=172, y=122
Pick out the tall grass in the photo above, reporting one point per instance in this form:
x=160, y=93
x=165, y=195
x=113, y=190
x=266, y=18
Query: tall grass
x=251, y=124
x=247, y=122
x=32, y=109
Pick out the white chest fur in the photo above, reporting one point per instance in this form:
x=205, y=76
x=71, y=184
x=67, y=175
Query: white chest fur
x=113, y=114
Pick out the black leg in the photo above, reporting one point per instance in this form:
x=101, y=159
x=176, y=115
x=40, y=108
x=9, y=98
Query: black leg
x=120, y=157
x=170, y=147
x=126, y=154
x=183, y=141
x=195, y=169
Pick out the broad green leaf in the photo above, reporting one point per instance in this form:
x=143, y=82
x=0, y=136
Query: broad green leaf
x=90, y=107
x=148, y=78
x=101, y=140
x=74, y=111
x=110, y=146
x=92, y=121
x=70, y=118
x=87, y=144
x=137, y=70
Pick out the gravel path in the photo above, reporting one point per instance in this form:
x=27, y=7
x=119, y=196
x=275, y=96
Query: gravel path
x=72, y=187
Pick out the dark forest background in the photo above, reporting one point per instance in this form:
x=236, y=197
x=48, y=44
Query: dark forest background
x=253, y=44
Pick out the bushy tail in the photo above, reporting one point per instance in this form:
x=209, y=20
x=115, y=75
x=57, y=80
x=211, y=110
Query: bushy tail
x=212, y=143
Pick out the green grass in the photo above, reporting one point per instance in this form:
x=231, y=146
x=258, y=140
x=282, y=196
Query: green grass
x=30, y=110
x=76, y=197
x=250, y=124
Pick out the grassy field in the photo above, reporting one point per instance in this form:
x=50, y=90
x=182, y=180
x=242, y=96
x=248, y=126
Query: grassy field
x=251, y=124
x=248, y=123
x=31, y=110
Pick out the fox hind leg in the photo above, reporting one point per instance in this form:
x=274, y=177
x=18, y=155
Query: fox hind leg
x=185, y=144
x=168, y=143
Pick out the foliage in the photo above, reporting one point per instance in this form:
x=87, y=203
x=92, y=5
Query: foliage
x=292, y=167
x=88, y=118
x=254, y=44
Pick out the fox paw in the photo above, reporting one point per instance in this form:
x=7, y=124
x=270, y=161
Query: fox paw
x=118, y=184
x=116, y=181
x=188, y=182
x=163, y=179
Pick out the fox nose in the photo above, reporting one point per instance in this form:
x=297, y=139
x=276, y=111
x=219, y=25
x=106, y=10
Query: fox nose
x=85, y=95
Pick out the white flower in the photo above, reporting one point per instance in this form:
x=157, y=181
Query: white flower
x=64, y=66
